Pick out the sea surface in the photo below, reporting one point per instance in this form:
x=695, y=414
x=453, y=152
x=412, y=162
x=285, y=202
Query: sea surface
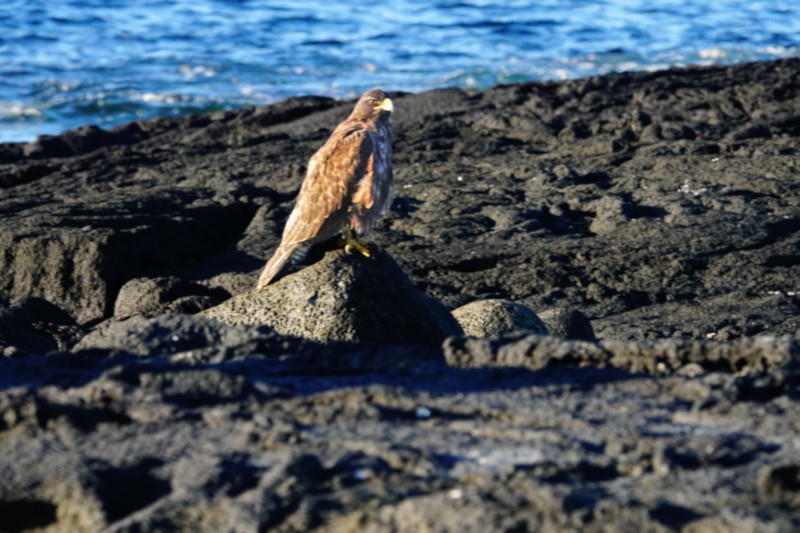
x=65, y=63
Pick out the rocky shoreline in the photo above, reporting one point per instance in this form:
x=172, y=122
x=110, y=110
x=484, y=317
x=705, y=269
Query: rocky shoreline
x=622, y=252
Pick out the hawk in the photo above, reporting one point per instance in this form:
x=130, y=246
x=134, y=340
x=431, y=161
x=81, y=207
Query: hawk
x=348, y=185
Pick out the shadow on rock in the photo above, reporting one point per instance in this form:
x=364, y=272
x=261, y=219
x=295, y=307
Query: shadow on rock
x=35, y=325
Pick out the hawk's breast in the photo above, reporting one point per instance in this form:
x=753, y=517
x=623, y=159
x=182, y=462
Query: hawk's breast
x=376, y=188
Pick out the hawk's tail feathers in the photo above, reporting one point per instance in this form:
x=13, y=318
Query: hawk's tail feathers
x=283, y=257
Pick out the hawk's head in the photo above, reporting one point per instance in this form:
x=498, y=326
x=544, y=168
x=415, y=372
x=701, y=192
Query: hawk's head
x=374, y=104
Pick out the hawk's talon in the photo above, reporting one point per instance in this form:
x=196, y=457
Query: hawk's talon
x=363, y=250
x=350, y=243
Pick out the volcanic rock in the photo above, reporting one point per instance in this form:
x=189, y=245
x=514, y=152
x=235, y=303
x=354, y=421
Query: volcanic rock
x=155, y=296
x=568, y=323
x=489, y=318
x=344, y=297
x=757, y=355
x=651, y=220
x=35, y=325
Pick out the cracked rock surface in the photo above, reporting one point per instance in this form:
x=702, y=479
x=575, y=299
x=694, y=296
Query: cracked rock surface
x=650, y=220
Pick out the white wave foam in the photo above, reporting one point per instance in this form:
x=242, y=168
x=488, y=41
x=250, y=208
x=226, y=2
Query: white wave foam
x=17, y=111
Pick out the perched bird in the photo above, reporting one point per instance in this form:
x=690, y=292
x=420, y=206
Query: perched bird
x=348, y=185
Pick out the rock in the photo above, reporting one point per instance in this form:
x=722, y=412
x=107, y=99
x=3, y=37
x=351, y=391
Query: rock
x=564, y=176
x=194, y=339
x=344, y=297
x=79, y=262
x=663, y=205
x=609, y=215
x=154, y=296
x=751, y=131
x=781, y=479
x=490, y=318
x=492, y=201
x=125, y=441
x=568, y=323
x=146, y=336
x=522, y=349
x=59, y=488
x=36, y=325
x=755, y=356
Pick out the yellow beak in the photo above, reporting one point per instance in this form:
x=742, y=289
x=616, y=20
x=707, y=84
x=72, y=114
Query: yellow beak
x=386, y=105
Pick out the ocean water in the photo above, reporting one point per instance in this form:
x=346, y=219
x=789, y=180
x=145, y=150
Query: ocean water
x=65, y=63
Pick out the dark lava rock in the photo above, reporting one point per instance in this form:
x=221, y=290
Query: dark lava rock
x=166, y=335
x=35, y=325
x=568, y=323
x=528, y=192
x=757, y=355
x=489, y=318
x=78, y=257
x=155, y=296
x=344, y=297
x=194, y=339
x=658, y=212
x=257, y=434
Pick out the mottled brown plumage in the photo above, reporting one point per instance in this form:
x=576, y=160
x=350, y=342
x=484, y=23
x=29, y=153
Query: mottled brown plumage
x=348, y=185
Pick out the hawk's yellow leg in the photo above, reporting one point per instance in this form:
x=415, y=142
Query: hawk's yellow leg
x=351, y=242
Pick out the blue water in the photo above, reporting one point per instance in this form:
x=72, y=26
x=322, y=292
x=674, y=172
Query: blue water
x=65, y=63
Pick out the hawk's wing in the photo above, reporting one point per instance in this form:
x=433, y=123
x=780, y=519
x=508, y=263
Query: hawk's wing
x=322, y=207
x=331, y=179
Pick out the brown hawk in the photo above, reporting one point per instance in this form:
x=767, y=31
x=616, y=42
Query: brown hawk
x=348, y=185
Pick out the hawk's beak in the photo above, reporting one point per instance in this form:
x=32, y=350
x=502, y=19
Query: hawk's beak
x=386, y=105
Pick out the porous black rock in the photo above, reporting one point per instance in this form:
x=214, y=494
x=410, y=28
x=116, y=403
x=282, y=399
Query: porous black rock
x=35, y=325
x=152, y=296
x=568, y=323
x=651, y=219
x=749, y=356
x=166, y=335
x=344, y=297
x=78, y=256
x=489, y=318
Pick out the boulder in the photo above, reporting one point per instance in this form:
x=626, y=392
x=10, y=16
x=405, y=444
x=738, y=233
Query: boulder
x=77, y=256
x=489, y=318
x=170, y=334
x=170, y=294
x=568, y=323
x=344, y=297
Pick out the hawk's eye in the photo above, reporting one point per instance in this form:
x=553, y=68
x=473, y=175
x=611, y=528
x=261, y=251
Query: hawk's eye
x=373, y=101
